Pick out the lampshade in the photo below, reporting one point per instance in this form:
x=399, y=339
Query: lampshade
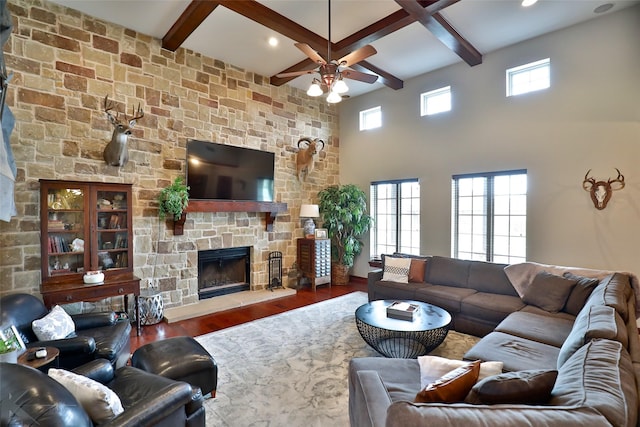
x=340, y=86
x=333, y=98
x=314, y=89
x=309, y=211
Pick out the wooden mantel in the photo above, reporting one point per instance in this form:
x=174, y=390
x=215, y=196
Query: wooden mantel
x=270, y=208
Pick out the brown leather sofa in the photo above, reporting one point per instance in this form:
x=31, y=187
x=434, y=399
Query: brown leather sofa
x=595, y=351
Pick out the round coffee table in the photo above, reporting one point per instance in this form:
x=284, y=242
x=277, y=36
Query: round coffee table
x=402, y=338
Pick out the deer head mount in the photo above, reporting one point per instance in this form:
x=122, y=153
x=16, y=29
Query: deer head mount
x=601, y=191
x=116, y=153
x=307, y=148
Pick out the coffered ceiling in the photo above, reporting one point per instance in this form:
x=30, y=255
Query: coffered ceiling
x=411, y=37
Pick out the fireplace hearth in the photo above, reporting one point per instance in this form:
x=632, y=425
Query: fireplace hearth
x=223, y=271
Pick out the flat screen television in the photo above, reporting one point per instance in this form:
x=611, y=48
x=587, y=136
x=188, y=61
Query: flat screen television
x=225, y=172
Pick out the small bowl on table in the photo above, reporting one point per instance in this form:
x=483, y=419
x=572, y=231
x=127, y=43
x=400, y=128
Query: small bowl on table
x=93, y=277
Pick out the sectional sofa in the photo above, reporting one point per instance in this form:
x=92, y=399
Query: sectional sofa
x=544, y=319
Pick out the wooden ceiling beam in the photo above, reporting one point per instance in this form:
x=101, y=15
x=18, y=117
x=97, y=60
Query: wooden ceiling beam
x=443, y=31
x=191, y=18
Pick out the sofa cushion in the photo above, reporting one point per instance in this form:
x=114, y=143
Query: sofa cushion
x=545, y=329
x=447, y=297
x=417, y=270
x=537, y=310
x=394, y=290
x=548, y=291
x=517, y=354
x=531, y=387
x=489, y=277
x=433, y=367
x=614, y=291
x=599, y=375
x=448, y=271
x=580, y=292
x=452, y=386
x=55, y=325
x=491, y=307
x=402, y=382
x=596, y=321
x=396, y=269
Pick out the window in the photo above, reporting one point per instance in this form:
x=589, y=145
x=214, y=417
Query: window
x=490, y=216
x=395, y=208
x=529, y=77
x=436, y=101
x=371, y=118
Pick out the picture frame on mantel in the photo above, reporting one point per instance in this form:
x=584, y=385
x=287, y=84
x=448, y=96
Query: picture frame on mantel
x=321, y=233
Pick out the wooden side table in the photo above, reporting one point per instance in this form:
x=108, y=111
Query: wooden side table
x=50, y=360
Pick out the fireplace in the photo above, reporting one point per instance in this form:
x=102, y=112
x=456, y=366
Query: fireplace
x=223, y=271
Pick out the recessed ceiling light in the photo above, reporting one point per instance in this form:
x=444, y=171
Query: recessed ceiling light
x=603, y=8
x=273, y=41
x=527, y=3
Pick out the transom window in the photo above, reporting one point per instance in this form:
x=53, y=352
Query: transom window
x=489, y=216
x=395, y=208
x=371, y=118
x=435, y=101
x=529, y=77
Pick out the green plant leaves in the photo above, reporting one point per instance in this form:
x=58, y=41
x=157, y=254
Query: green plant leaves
x=173, y=200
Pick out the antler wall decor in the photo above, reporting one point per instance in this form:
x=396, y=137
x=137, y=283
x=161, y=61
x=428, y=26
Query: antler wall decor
x=116, y=152
x=304, y=159
x=601, y=191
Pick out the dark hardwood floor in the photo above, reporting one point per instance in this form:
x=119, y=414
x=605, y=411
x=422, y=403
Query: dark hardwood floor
x=224, y=319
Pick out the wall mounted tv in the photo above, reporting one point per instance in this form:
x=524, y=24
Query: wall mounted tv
x=225, y=172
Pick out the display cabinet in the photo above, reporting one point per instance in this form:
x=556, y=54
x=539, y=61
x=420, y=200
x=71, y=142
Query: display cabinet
x=314, y=260
x=86, y=226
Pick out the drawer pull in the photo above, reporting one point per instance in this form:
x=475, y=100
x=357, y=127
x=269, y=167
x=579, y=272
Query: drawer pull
x=120, y=290
x=69, y=297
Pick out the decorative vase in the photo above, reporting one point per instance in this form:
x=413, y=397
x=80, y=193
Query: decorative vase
x=339, y=274
x=10, y=357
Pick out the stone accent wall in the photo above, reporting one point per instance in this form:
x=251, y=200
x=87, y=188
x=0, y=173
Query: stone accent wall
x=64, y=63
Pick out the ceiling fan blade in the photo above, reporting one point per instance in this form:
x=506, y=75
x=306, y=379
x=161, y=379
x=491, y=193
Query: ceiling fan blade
x=306, y=49
x=296, y=73
x=357, y=75
x=357, y=55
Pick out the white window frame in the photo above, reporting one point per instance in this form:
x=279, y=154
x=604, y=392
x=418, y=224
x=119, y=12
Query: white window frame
x=371, y=118
x=396, y=217
x=487, y=217
x=435, y=101
x=536, y=76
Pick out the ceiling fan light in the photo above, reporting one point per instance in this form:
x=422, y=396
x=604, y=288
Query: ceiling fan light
x=333, y=98
x=314, y=89
x=340, y=86
x=527, y=3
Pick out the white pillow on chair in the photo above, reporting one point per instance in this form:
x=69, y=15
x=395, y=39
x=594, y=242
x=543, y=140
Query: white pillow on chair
x=54, y=326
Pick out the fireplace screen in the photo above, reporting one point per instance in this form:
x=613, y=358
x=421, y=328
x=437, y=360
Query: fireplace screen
x=223, y=271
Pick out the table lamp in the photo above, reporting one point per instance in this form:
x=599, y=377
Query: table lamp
x=309, y=212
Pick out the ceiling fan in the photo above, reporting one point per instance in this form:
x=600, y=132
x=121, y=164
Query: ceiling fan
x=331, y=71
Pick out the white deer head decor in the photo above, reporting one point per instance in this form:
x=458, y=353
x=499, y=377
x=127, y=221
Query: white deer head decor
x=115, y=153
x=601, y=191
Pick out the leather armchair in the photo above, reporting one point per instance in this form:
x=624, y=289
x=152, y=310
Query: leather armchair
x=30, y=397
x=97, y=335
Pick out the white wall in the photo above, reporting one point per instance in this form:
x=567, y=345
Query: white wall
x=588, y=119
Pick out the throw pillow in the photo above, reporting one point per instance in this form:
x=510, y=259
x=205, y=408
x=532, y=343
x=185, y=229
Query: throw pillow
x=99, y=401
x=451, y=387
x=55, y=325
x=396, y=269
x=436, y=366
x=416, y=270
x=580, y=292
x=548, y=291
x=531, y=387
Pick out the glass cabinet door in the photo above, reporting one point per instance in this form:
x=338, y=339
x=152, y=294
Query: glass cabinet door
x=112, y=222
x=65, y=231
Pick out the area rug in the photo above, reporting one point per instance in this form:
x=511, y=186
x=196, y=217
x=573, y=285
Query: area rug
x=291, y=369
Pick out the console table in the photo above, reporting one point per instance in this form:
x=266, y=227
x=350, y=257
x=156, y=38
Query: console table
x=67, y=293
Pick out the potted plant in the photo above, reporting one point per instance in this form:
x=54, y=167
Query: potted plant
x=172, y=202
x=343, y=209
x=10, y=344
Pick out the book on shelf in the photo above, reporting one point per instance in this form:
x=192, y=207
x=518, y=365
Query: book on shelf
x=402, y=310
